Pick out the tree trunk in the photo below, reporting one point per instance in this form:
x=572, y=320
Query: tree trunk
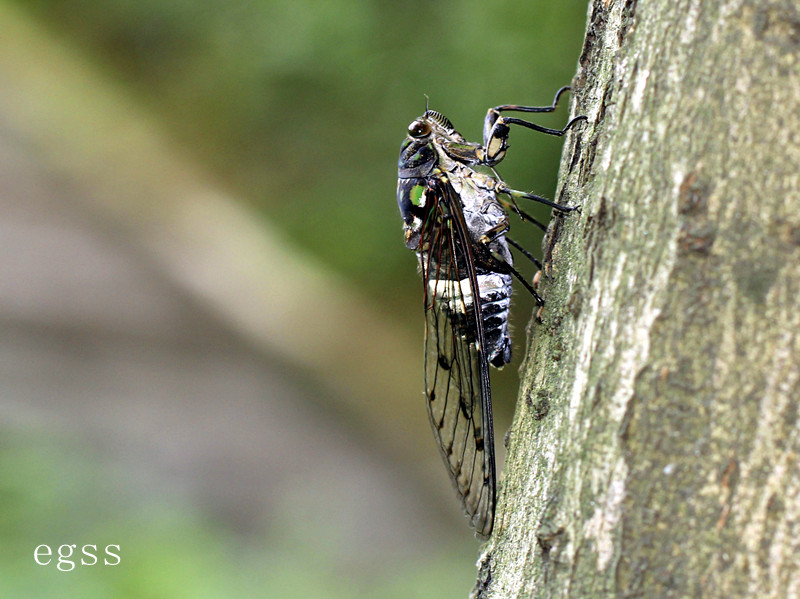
x=655, y=448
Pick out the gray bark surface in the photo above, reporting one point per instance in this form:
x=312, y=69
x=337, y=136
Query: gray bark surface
x=654, y=452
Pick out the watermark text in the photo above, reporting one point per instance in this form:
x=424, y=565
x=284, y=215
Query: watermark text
x=65, y=557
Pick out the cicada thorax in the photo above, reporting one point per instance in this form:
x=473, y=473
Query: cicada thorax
x=487, y=222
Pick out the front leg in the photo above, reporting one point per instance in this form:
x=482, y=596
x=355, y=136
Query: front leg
x=495, y=137
x=496, y=127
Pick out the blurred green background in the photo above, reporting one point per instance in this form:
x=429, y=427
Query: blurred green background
x=141, y=405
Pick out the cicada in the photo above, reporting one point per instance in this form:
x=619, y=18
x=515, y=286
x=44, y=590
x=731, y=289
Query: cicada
x=455, y=211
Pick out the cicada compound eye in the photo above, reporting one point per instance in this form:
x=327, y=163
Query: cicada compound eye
x=419, y=129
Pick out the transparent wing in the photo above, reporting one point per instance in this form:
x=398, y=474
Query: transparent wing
x=456, y=370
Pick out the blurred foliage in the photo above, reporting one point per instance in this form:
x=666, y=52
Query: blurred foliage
x=301, y=106
x=167, y=549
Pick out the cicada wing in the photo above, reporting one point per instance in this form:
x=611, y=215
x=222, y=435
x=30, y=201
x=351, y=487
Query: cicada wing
x=456, y=369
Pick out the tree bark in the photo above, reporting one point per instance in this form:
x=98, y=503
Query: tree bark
x=654, y=452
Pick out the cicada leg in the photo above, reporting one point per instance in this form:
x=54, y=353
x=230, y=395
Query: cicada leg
x=514, y=194
x=501, y=262
x=528, y=255
x=493, y=233
x=496, y=130
x=512, y=205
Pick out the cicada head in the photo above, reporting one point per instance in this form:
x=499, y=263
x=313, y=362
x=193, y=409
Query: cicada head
x=418, y=155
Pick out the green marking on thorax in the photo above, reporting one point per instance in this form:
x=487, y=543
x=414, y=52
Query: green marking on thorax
x=416, y=194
